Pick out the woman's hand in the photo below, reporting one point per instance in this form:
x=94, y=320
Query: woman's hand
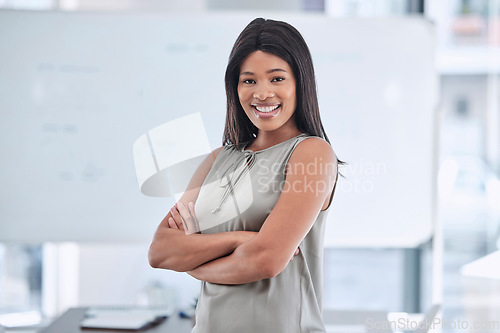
x=184, y=218
x=175, y=222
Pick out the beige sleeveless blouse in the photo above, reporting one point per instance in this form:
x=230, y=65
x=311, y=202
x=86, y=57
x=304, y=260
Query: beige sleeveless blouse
x=239, y=192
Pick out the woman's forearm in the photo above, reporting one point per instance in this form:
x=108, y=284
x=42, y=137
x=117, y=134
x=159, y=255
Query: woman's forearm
x=225, y=271
x=173, y=249
x=244, y=265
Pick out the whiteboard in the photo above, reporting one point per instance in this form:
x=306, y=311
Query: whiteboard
x=77, y=89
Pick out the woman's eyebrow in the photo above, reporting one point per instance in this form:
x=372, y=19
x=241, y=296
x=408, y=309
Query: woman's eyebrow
x=275, y=70
x=267, y=72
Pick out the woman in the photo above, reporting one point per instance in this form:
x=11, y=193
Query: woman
x=251, y=224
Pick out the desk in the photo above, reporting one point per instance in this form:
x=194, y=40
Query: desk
x=69, y=322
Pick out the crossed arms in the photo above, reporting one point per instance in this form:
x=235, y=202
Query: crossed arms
x=238, y=257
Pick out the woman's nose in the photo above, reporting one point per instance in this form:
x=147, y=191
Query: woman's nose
x=262, y=94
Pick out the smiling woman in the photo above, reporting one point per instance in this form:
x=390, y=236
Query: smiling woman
x=266, y=91
x=256, y=203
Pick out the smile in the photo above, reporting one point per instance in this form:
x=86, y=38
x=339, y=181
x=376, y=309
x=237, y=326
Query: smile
x=266, y=108
x=267, y=111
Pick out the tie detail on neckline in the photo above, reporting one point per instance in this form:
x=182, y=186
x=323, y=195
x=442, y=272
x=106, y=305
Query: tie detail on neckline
x=231, y=177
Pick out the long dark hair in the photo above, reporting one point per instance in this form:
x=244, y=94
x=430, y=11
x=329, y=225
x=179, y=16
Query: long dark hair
x=283, y=40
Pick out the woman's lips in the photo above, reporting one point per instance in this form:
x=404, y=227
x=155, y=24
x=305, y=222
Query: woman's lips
x=266, y=111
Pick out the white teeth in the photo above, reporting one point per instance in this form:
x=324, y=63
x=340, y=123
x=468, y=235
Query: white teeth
x=266, y=108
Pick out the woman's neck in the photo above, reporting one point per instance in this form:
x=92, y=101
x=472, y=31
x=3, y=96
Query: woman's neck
x=266, y=139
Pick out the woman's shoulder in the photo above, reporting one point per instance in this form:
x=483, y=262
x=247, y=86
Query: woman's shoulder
x=315, y=146
x=217, y=151
x=227, y=148
x=316, y=151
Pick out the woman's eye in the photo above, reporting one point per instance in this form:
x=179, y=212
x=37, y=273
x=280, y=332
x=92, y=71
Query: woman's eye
x=248, y=81
x=277, y=79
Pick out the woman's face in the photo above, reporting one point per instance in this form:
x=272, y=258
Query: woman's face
x=266, y=89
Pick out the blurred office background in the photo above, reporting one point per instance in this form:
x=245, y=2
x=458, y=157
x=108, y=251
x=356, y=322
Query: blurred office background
x=468, y=65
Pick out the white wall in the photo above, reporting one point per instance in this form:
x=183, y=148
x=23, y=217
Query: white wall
x=84, y=86
x=119, y=274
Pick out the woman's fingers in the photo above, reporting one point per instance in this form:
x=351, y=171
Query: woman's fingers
x=183, y=218
x=196, y=226
x=177, y=218
x=188, y=217
x=172, y=224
